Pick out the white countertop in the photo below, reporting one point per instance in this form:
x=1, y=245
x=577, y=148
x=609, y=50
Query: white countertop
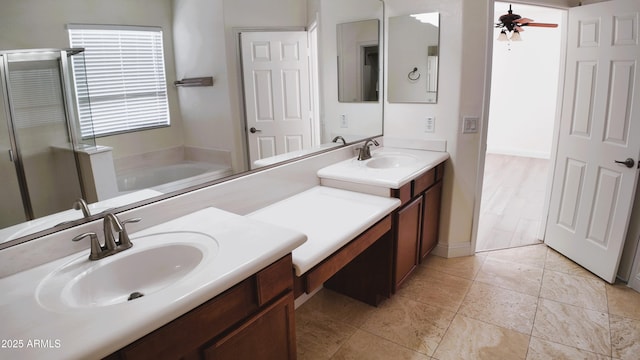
x=245, y=246
x=329, y=217
x=355, y=171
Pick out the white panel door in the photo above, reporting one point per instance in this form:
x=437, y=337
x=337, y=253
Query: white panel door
x=592, y=195
x=277, y=95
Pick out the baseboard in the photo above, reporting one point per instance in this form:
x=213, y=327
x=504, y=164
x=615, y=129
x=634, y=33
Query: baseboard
x=446, y=250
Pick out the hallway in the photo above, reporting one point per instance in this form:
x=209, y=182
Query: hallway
x=512, y=201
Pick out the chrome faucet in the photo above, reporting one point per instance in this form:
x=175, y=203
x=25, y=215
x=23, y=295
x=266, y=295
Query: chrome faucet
x=335, y=139
x=80, y=204
x=111, y=245
x=364, y=152
x=109, y=224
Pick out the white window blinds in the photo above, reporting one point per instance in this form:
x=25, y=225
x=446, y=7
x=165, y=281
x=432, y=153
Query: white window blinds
x=125, y=86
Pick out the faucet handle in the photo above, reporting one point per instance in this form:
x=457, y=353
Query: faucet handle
x=123, y=239
x=96, y=249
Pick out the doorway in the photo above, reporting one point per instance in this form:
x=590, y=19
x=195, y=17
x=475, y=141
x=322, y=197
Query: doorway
x=523, y=110
x=277, y=103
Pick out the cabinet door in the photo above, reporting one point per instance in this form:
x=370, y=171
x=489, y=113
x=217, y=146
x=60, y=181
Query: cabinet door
x=270, y=335
x=431, y=219
x=408, y=223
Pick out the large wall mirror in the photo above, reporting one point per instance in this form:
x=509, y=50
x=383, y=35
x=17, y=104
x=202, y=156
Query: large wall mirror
x=208, y=139
x=413, y=58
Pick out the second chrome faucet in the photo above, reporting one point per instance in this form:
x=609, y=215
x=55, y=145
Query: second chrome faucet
x=364, y=152
x=111, y=246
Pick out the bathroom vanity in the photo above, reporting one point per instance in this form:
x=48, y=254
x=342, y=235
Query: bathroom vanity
x=357, y=227
x=209, y=282
x=412, y=176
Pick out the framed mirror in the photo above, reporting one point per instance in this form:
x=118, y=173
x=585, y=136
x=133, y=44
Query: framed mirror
x=200, y=39
x=413, y=58
x=358, y=60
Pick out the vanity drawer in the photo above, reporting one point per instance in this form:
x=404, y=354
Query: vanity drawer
x=404, y=194
x=424, y=181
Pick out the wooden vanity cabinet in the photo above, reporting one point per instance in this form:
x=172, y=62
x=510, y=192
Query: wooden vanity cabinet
x=252, y=320
x=430, y=219
x=408, y=221
x=416, y=222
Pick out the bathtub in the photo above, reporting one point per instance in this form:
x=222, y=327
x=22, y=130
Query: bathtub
x=168, y=178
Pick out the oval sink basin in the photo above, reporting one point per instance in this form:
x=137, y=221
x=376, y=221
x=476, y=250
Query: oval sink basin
x=155, y=262
x=390, y=161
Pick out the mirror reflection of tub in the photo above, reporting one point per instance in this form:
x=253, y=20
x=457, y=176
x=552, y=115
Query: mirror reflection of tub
x=171, y=177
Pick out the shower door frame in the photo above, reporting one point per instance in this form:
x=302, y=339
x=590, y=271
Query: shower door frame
x=15, y=156
x=5, y=92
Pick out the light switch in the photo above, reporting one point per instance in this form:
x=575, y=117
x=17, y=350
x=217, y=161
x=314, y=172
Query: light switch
x=344, y=123
x=430, y=124
x=470, y=124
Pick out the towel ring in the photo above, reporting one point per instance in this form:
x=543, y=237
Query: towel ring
x=412, y=74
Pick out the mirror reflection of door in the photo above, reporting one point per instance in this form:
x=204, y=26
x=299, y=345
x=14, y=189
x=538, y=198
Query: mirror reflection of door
x=358, y=66
x=276, y=92
x=370, y=73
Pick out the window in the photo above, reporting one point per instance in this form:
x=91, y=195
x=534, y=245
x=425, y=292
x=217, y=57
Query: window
x=125, y=86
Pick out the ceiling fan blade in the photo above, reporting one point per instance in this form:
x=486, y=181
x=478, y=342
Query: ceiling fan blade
x=518, y=29
x=523, y=21
x=541, y=25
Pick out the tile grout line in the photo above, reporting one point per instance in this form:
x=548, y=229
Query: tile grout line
x=606, y=294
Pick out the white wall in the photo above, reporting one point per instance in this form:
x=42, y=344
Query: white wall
x=524, y=85
x=34, y=24
x=460, y=93
x=199, y=38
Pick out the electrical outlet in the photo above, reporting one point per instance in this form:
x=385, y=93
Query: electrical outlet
x=470, y=124
x=344, y=123
x=430, y=124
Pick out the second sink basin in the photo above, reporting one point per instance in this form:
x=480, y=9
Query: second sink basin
x=390, y=161
x=155, y=262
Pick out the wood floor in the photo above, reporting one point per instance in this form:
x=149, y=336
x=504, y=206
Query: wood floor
x=512, y=201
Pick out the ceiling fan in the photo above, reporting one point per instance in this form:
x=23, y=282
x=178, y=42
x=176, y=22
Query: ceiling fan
x=513, y=23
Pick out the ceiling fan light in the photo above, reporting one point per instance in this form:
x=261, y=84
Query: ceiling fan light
x=516, y=36
x=503, y=36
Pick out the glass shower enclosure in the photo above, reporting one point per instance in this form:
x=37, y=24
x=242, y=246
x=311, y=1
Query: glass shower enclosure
x=39, y=169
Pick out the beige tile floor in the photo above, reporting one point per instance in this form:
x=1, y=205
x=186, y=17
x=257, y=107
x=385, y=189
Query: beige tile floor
x=522, y=303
